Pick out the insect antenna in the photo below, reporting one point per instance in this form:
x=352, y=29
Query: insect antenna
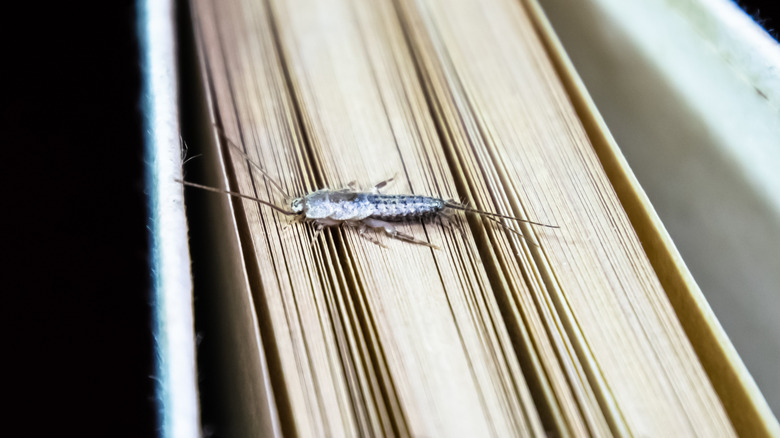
x=273, y=182
x=237, y=195
x=512, y=230
x=252, y=162
x=495, y=215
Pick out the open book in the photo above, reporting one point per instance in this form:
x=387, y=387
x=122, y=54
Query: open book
x=558, y=332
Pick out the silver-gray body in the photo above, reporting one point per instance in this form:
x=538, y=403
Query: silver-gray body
x=346, y=205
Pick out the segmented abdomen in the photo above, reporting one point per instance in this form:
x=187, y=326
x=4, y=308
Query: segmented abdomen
x=398, y=208
x=354, y=206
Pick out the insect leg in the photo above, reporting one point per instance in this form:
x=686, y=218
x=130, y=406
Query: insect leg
x=317, y=232
x=382, y=184
x=320, y=225
x=448, y=221
x=391, y=231
x=362, y=232
x=351, y=187
x=295, y=219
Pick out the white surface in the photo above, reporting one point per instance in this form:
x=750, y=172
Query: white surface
x=690, y=90
x=177, y=394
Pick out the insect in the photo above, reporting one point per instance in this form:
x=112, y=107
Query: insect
x=365, y=210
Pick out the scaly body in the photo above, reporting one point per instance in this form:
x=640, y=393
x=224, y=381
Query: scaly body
x=355, y=206
x=365, y=210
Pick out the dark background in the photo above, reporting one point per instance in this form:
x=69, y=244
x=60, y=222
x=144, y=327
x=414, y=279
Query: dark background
x=764, y=12
x=77, y=347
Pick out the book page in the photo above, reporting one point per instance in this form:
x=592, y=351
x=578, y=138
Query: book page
x=562, y=331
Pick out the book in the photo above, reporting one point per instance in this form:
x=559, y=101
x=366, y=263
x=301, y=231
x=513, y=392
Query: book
x=690, y=93
x=558, y=332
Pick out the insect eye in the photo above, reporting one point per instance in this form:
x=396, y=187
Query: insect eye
x=297, y=205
